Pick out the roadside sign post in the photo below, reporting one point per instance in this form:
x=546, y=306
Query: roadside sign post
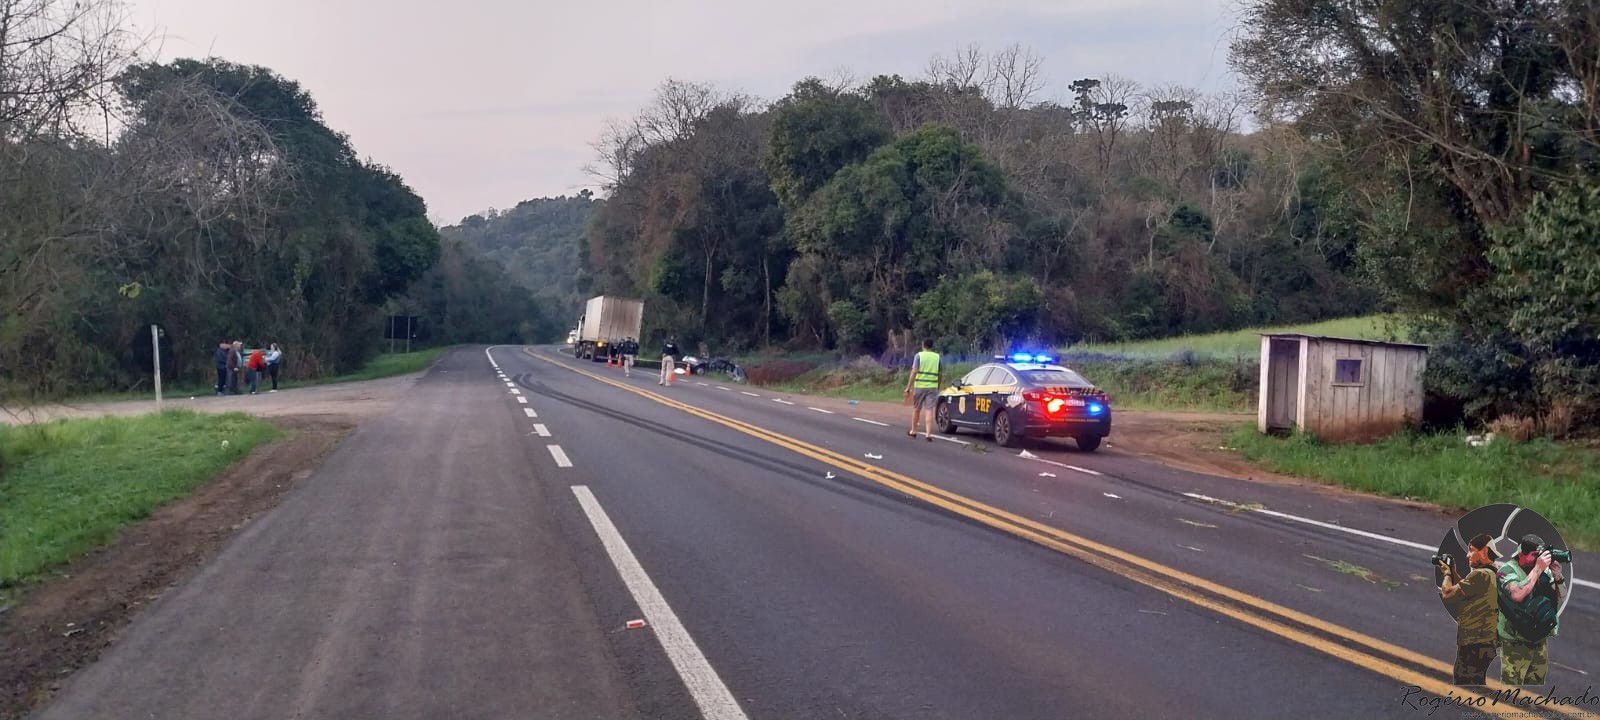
x=155, y=348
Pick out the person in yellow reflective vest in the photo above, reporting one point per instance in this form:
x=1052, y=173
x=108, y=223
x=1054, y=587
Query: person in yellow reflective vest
x=922, y=387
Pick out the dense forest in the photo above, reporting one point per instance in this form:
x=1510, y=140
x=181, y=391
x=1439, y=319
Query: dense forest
x=206, y=197
x=540, y=245
x=966, y=206
x=1434, y=160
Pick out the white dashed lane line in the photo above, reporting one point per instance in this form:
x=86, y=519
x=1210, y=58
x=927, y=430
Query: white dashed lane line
x=719, y=387
x=530, y=412
x=785, y=402
x=522, y=400
x=820, y=410
x=540, y=430
x=747, y=392
x=560, y=456
x=515, y=391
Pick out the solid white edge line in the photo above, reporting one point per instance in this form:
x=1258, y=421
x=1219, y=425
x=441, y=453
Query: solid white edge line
x=522, y=399
x=1086, y=471
x=541, y=430
x=871, y=422
x=820, y=410
x=529, y=412
x=560, y=455
x=951, y=439
x=708, y=690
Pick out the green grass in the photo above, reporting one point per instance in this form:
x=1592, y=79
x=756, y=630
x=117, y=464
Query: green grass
x=69, y=485
x=1200, y=386
x=1238, y=343
x=1558, y=480
x=382, y=366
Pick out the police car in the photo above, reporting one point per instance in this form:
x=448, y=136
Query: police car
x=1026, y=395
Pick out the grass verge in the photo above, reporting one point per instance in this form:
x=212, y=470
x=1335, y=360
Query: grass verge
x=1170, y=385
x=1560, y=481
x=382, y=366
x=70, y=485
x=1239, y=343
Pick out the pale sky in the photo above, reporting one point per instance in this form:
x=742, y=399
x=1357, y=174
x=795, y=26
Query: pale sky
x=485, y=103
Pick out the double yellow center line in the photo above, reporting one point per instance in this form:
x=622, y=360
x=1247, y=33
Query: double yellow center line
x=1346, y=644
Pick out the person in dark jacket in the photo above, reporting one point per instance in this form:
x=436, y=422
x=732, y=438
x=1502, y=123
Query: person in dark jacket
x=223, y=351
x=669, y=354
x=274, y=361
x=235, y=366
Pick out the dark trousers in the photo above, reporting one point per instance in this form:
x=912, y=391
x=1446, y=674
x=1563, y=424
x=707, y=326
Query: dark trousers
x=233, y=381
x=1472, y=663
x=272, y=372
x=253, y=379
x=222, y=380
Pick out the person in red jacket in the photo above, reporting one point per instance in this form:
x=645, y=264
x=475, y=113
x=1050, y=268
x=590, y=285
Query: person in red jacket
x=254, y=368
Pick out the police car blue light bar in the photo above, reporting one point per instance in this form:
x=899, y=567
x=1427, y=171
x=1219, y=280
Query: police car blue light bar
x=1040, y=358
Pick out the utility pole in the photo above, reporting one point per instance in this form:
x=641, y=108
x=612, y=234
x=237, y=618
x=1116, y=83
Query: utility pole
x=155, y=349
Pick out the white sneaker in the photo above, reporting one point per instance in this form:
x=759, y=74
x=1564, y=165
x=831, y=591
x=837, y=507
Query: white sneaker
x=272, y=391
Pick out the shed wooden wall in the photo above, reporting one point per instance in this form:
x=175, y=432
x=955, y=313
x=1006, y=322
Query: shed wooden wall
x=1390, y=395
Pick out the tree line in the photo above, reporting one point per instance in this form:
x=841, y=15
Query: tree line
x=208, y=198
x=966, y=205
x=1466, y=136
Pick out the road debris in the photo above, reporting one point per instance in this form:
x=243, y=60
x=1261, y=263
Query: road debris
x=1342, y=567
x=871, y=456
x=1113, y=496
x=1028, y=455
x=635, y=624
x=1047, y=474
x=224, y=444
x=829, y=476
x=1191, y=547
x=1187, y=521
x=1152, y=612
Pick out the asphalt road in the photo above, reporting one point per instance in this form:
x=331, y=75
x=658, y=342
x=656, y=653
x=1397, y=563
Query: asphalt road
x=480, y=550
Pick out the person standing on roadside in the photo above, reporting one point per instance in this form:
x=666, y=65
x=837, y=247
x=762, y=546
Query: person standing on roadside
x=253, y=369
x=669, y=354
x=274, y=359
x=235, y=366
x=922, y=387
x=223, y=351
x=630, y=353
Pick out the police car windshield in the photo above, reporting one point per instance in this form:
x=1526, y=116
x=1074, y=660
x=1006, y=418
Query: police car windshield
x=1061, y=376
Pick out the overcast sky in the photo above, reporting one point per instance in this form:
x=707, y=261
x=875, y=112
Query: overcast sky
x=491, y=102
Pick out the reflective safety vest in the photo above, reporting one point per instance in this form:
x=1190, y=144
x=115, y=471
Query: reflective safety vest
x=927, y=370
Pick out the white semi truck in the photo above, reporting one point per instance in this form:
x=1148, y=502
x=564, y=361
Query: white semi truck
x=606, y=321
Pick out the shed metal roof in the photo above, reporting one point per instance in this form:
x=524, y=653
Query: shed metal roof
x=1351, y=341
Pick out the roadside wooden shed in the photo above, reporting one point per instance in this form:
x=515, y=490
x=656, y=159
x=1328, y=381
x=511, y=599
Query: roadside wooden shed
x=1339, y=388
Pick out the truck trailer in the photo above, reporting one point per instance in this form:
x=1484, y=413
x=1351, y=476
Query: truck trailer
x=606, y=321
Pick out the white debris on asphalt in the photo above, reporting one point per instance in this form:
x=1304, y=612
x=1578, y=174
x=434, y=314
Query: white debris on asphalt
x=870, y=456
x=1112, y=495
x=1047, y=474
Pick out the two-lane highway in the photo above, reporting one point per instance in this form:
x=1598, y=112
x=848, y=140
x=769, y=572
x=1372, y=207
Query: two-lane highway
x=482, y=551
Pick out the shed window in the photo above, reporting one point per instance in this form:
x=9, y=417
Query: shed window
x=1347, y=371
